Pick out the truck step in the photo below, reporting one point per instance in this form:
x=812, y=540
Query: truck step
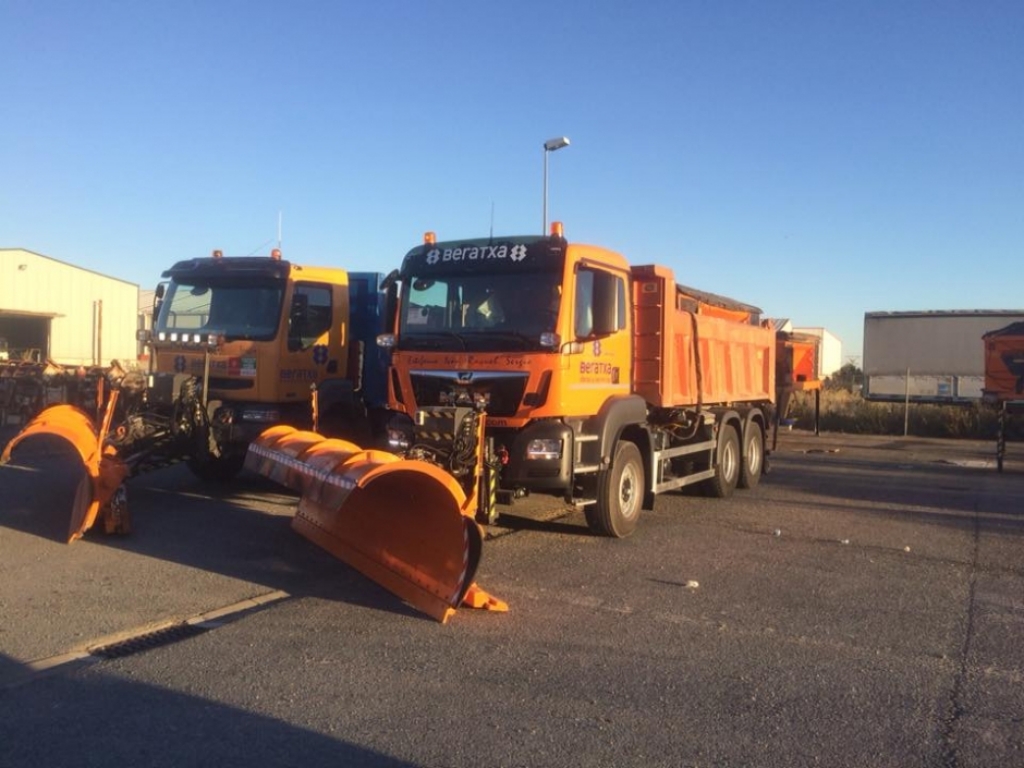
x=585, y=438
x=584, y=469
x=583, y=502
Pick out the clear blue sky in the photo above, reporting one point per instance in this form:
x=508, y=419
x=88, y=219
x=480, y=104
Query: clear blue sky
x=816, y=159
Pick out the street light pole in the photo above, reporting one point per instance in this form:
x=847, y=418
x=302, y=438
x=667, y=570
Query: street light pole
x=550, y=146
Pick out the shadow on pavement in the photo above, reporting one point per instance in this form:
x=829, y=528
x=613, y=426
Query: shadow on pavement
x=933, y=492
x=240, y=529
x=96, y=719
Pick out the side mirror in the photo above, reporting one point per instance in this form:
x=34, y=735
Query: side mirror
x=387, y=282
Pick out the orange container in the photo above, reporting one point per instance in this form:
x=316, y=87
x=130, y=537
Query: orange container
x=795, y=354
x=1004, y=363
x=695, y=348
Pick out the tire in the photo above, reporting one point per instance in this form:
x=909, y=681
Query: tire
x=753, y=456
x=219, y=469
x=620, y=494
x=727, y=464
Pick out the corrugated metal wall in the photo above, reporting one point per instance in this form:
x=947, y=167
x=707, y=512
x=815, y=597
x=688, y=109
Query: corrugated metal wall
x=930, y=343
x=95, y=316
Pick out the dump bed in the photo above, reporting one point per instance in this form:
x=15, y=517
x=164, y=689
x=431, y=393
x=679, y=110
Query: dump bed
x=695, y=348
x=1004, y=363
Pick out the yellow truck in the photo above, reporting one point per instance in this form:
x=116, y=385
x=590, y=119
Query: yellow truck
x=248, y=356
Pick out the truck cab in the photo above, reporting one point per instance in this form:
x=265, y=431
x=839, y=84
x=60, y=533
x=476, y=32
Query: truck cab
x=259, y=333
x=534, y=331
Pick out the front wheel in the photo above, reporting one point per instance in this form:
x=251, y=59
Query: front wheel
x=753, y=456
x=620, y=493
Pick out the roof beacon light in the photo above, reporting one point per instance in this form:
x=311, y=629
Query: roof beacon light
x=276, y=254
x=429, y=238
x=218, y=254
x=557, y=229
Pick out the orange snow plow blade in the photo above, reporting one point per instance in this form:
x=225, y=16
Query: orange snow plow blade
x=98, y=491
x=403, y=523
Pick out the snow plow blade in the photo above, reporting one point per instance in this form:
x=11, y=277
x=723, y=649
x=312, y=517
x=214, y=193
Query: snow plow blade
x=402, y=523
x=100, y=491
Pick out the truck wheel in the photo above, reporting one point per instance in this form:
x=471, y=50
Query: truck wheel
x=727, y=467
x=217, y=469
x=753, y=456
x=620, y=493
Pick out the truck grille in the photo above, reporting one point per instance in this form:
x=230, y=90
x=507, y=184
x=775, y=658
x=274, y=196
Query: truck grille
x=505, y=389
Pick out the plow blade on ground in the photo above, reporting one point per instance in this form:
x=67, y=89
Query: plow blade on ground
x=100, y=493
x=403, y=523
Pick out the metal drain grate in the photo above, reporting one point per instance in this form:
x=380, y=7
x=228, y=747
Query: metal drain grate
x=148, y=641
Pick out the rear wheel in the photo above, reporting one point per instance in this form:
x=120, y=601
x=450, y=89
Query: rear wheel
x=620, y=493
x=753, y=456
x=727, y=466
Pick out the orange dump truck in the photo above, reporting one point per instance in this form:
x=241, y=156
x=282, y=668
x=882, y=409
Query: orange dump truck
x=532, y=364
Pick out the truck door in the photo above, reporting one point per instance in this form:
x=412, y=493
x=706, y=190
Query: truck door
x=601, y=327
x=315, y=339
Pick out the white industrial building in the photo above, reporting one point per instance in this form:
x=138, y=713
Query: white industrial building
x=51, y=310
x=929, y=356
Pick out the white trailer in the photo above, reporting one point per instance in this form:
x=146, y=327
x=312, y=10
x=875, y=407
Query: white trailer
x=929, y=356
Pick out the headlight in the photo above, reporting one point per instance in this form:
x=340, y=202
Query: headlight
x=398, y=439
x=544, y=449
x=550, y=340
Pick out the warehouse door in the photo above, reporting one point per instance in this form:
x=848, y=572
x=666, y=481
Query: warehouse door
x=26, y=337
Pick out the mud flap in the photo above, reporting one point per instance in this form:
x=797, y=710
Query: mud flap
x=104, y=471
x=402, y=523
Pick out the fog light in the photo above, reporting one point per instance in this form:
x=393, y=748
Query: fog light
x=544, y=449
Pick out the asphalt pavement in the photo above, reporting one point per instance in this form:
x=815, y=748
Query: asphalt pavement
x=862, y=607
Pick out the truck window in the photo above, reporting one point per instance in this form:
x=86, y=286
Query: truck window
x=310, y=316
x=232, y=307
x=584, y=303
x=600, y=303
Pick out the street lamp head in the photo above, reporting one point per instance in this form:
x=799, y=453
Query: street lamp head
x=552, y=144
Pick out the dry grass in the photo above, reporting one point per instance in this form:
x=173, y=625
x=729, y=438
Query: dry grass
x=842, y=411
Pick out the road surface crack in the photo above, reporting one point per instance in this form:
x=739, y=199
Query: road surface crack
x=955, y=707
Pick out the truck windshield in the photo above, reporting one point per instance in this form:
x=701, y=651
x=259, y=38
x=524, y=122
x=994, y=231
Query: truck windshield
x=479, y=311
x=238, y=311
